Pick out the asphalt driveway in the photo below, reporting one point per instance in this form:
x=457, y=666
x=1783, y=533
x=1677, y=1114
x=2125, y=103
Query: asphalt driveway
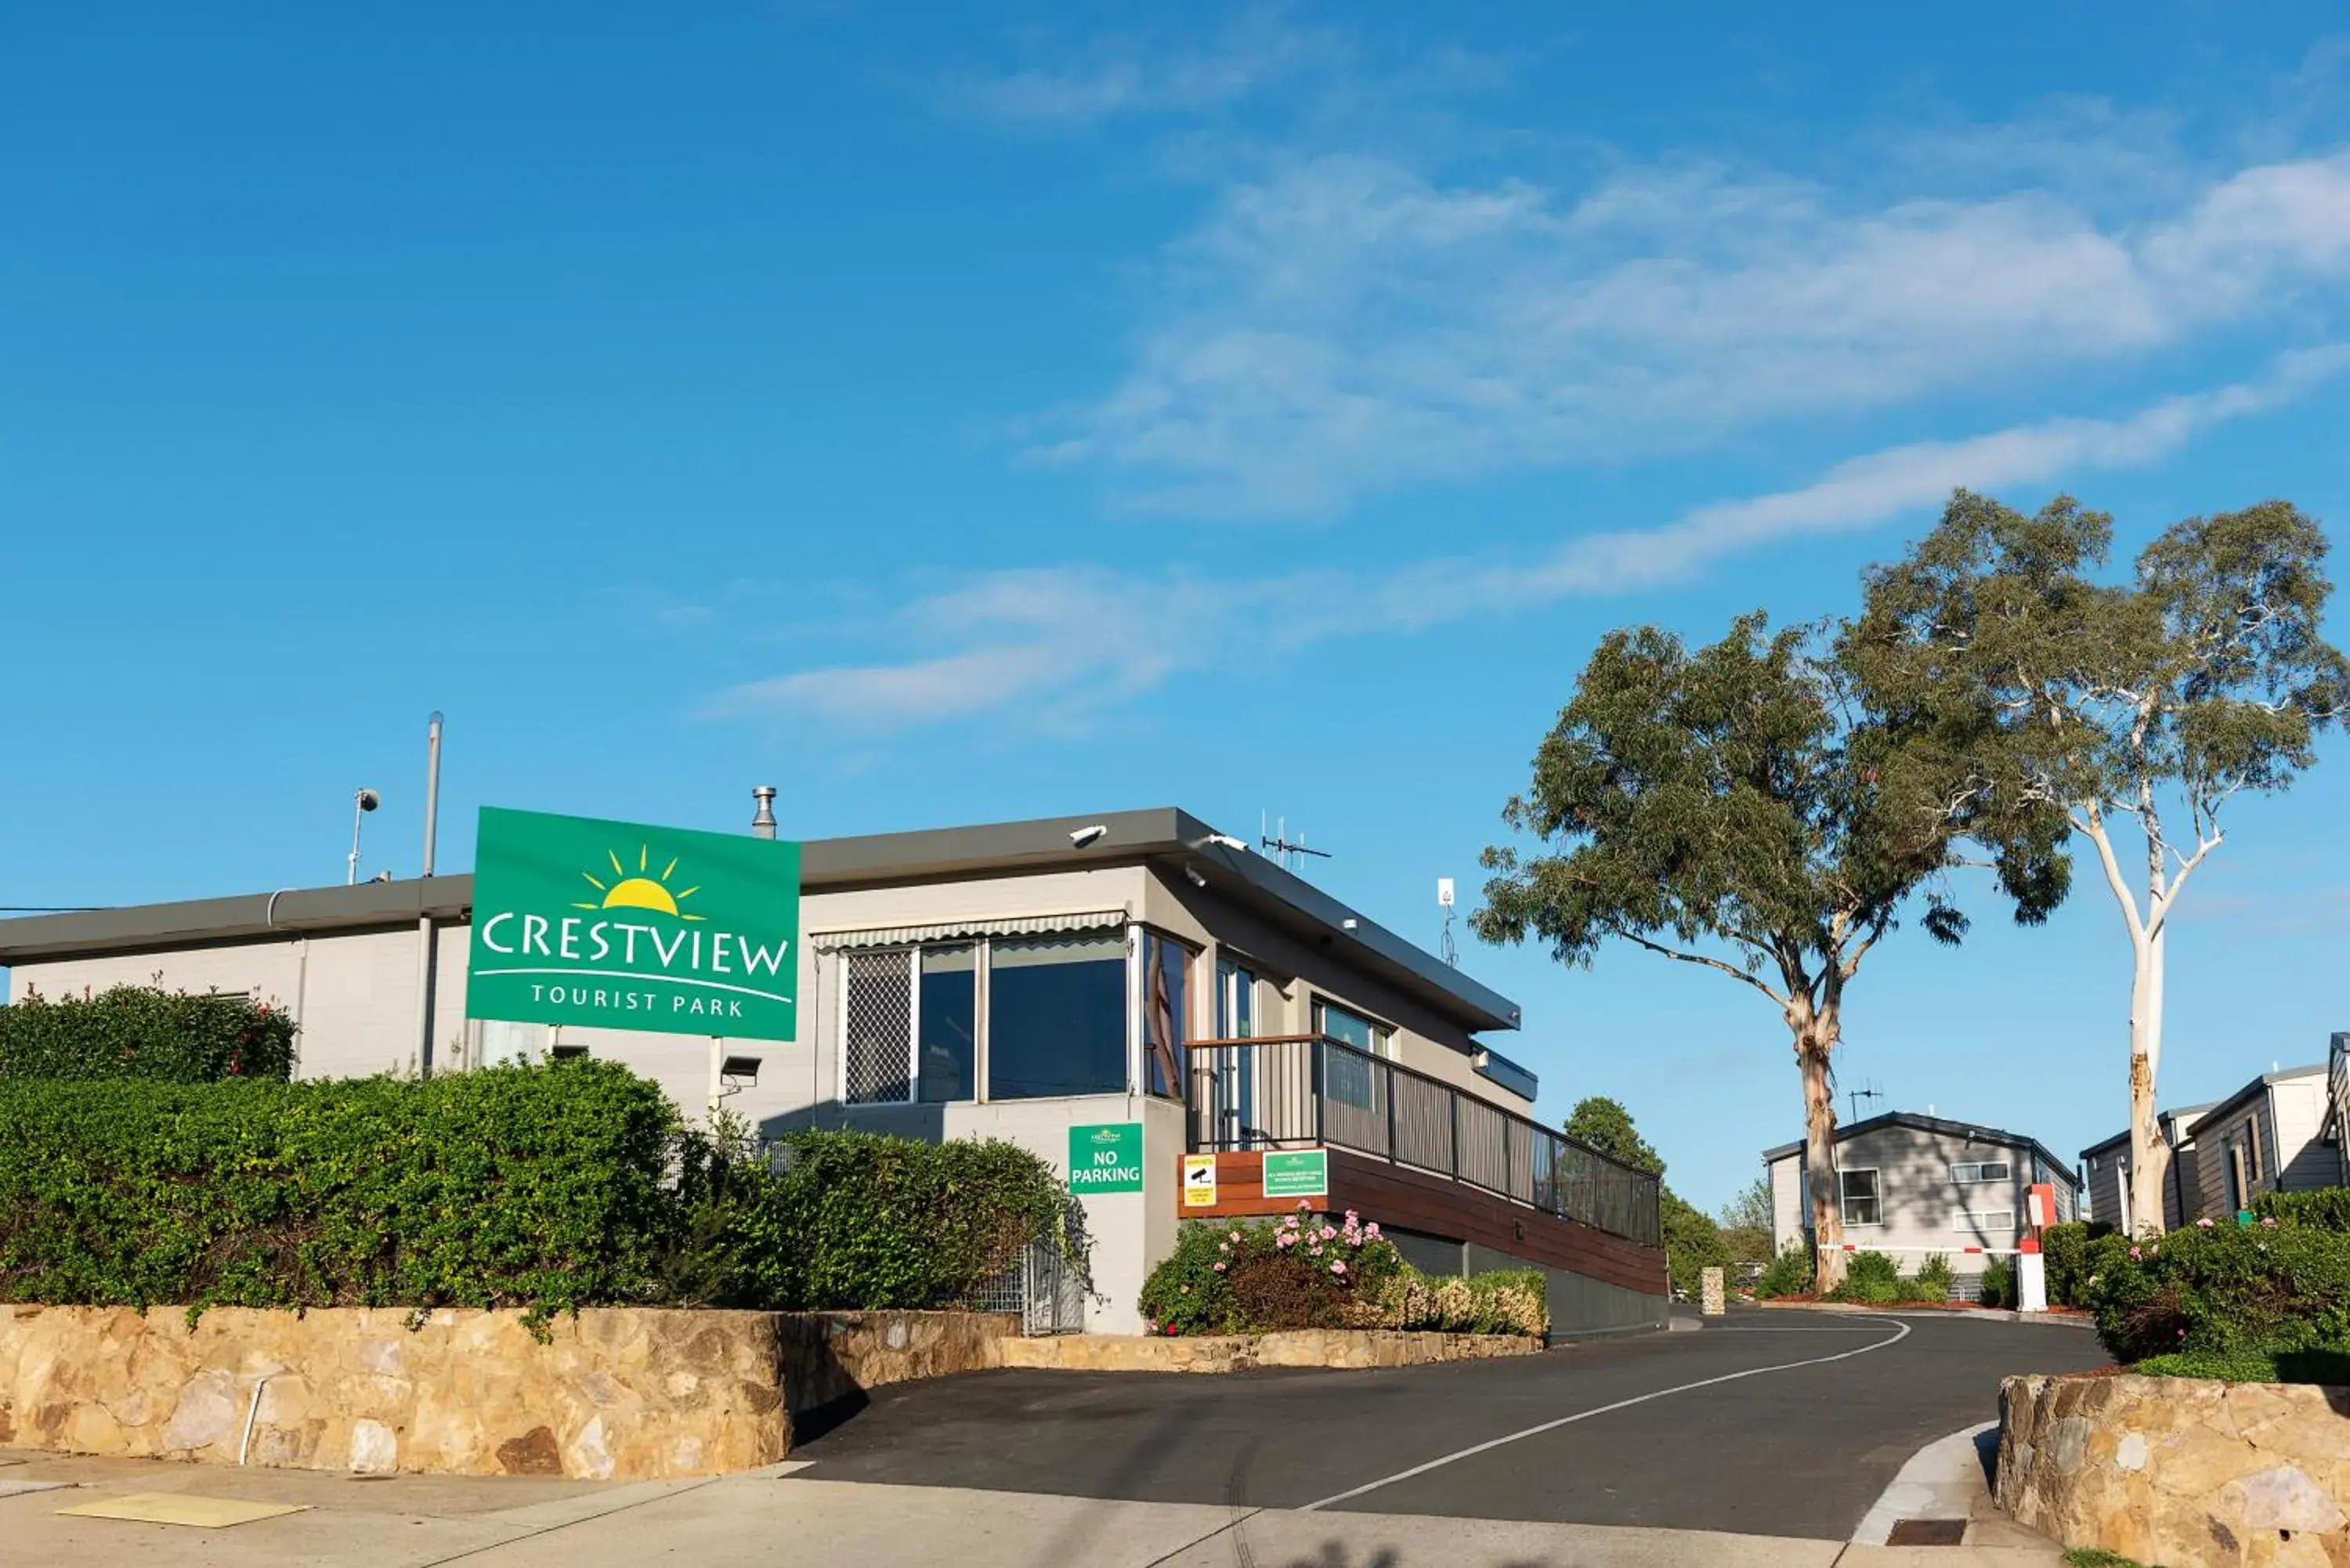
x=1711, y=1430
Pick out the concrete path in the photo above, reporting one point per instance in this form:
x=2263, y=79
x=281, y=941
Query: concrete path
x=760, y=1522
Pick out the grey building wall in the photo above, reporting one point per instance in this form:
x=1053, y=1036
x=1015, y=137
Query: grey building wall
x=2274, y=1142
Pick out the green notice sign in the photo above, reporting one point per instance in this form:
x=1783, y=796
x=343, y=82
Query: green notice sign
x=622, y=926
x=1106, y=1157
x=1297, y=1173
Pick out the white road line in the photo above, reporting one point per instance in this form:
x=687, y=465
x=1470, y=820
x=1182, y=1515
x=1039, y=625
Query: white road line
x=1902, y=1332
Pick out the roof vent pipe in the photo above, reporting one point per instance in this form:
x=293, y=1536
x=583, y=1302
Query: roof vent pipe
x=762, y=821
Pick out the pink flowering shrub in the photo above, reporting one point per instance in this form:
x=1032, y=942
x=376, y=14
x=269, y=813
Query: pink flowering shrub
x=1301, y=1271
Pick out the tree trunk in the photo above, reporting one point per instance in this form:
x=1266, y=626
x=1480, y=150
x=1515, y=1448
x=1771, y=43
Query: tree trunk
x=1814, y=1038
x=2149, y=1156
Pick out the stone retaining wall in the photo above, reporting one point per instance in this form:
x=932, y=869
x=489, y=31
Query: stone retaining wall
x=1238, y=1353
x=2180, y=1470
x=617, y=1393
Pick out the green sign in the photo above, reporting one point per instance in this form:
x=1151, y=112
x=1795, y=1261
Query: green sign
x=1297, y=1173
x=621, y=925
x=1106, y=1157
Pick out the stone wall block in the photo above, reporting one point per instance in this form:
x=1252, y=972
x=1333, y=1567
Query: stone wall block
x=623, y=1393
x=2180, y=1471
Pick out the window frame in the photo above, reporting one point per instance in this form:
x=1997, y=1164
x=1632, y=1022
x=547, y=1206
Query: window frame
x=2006, y=1172
x=1876, y=1196
x=1186, y=1020
x=1970, y=1221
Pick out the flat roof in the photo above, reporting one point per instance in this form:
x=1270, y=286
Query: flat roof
x=1973, y=1132
x=1161, y=834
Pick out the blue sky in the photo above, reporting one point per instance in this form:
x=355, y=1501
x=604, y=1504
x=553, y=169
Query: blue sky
x=949, y=416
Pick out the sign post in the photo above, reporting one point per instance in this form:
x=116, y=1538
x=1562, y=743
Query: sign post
x=618, y=925
x=2031, y=1268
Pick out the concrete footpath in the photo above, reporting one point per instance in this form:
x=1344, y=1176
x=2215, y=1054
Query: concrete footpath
x=763, y=1520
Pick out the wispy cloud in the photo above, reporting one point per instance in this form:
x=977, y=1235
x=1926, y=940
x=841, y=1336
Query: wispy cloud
x=1171, y=74
x=1346, y=324
x=1062, y=643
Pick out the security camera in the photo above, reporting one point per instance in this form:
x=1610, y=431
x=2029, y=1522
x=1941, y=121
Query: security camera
x=1197, y=880
x=1226, y=841
x=1082, y=836
x=370, y=800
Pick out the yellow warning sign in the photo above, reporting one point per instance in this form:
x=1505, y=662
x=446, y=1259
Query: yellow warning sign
x=1198, y=1181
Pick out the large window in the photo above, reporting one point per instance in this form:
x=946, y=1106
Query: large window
x=907, y=1025
x=1166, y=1022
x=1860, y=1198
x=1055, y=1016
x=1348, y=1080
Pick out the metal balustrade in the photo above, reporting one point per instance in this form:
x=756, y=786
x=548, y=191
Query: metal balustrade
x=1290, y=1091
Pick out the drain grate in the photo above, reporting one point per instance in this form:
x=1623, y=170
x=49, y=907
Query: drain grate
x=1928, y=1533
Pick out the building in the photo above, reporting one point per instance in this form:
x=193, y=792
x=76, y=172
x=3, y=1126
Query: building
x=2108, y=1172
x=2268, y=1136
x=1032, y=981
x=1916, y=1185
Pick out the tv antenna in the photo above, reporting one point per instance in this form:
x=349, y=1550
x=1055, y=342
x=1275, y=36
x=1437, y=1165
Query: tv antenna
x=1450, y=954
x=1868, y=1091
x=1278, y=843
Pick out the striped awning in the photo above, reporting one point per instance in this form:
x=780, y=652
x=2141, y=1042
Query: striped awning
x=945, y=930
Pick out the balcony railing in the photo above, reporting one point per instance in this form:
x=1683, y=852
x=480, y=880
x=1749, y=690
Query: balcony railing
x=1290, y=1091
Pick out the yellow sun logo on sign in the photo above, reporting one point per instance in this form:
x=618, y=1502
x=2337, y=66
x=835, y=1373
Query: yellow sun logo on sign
x=640, y=891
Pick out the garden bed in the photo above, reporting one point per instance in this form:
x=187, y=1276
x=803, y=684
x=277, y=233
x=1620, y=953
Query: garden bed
x=1335, y=1348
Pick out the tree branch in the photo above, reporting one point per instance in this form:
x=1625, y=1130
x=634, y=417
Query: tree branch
x=2093, y=828
x=1732, y=970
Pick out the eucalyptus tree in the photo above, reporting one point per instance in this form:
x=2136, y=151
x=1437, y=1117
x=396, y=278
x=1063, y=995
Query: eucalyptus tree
x=2141, y=709
x=1731, y=809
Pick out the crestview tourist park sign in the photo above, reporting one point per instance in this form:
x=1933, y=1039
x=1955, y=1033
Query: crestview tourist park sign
x=622, y=926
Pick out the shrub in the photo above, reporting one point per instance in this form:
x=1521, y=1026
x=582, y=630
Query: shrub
x=2071, y=1254
x=2326, y=1208
x=146, y=1033
x=1870, y=1277
x=1301, y=1272
x=853, y=1221
x=538, y=1186
x=2219, y=1290
x=1932, y=1280
x=1693, y=1243
x=1500, y=1301
x=1788, y=1274
x=1997, y=1286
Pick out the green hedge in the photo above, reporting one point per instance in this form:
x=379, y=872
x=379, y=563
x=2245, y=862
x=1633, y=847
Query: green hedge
x=2073, y=1251
x=854, y=1221
x=2326, y=1208
x=146, y=1033
x=549, y=1187
x=539, y=1187
x=2227, y=1291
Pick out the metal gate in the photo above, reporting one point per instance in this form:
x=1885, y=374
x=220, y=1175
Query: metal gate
x=1044, y=1288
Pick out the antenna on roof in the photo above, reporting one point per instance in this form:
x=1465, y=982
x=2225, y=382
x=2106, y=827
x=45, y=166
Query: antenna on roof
x=1281, y=846
x=1868, y=1091
x=1450, y=953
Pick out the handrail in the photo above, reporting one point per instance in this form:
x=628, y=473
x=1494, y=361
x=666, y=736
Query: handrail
x=1435, y=1141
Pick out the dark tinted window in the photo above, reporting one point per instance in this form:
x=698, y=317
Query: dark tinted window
x=949, y=1006
x=1056, y=1017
